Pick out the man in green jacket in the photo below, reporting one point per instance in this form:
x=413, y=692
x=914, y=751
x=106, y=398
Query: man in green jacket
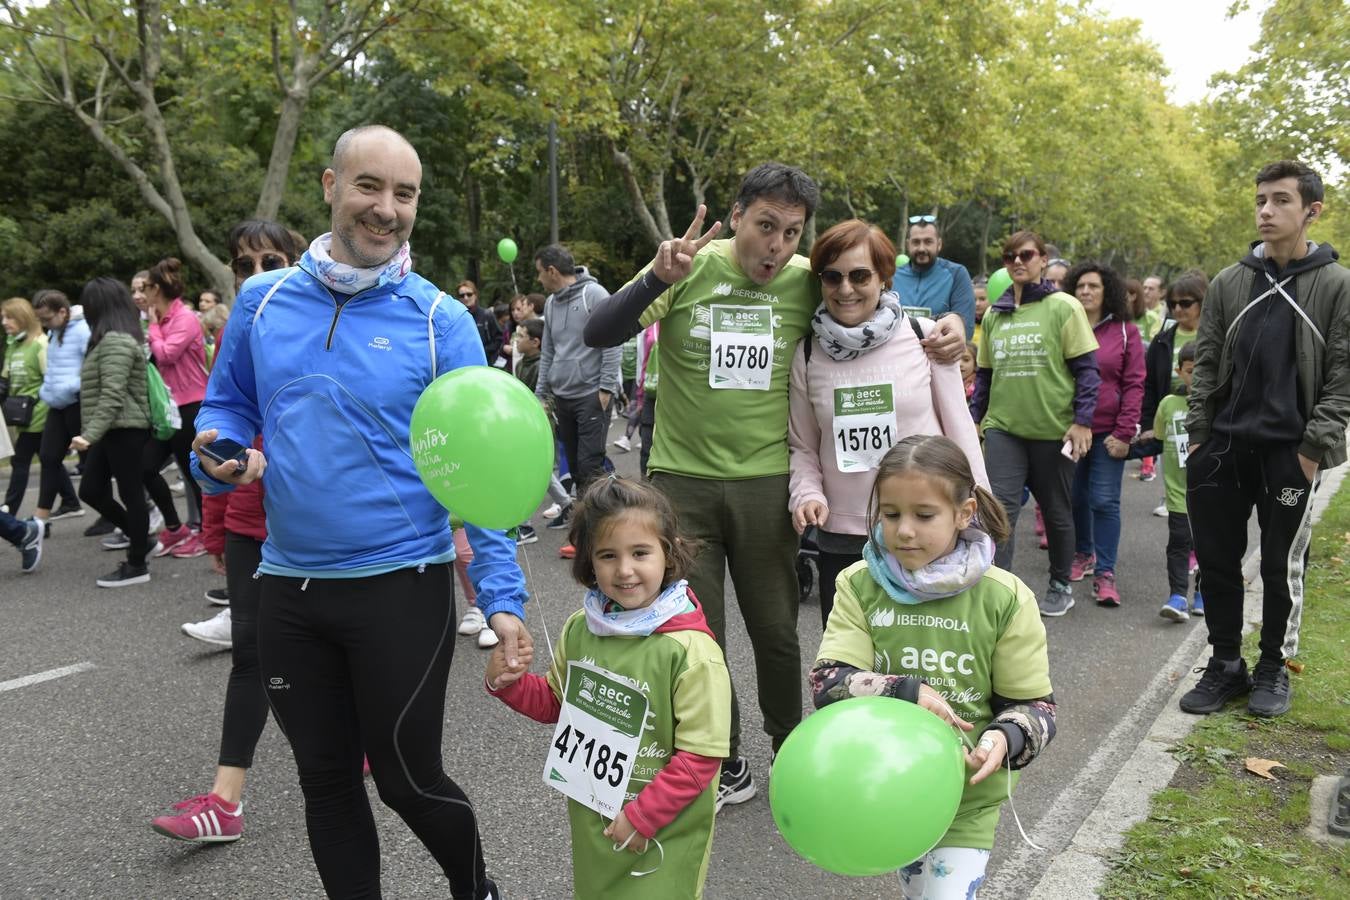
x=1268, y=410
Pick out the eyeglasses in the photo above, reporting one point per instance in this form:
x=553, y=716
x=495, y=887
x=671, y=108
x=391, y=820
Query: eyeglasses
x=467, y=295
x=857, y=277
x=1183, y=304
x=246, y=266
x=927, y=220
x=1057, y=261
x=1023, y=256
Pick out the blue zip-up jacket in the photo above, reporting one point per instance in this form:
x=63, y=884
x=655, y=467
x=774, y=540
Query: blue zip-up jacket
x=65, y=357
x=941, y=288
x=331, y=387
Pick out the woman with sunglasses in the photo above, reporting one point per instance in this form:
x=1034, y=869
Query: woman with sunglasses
x=1184, y=296
x=860, y=382
x=1096, y=482
x=1035, y=395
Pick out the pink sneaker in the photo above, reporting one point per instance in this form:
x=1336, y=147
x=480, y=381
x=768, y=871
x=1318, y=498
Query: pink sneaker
x=1191, y=565
x=204, y=819
x=1084, y=564
x=189, y=549
x=1104, y=588
x=170, y=538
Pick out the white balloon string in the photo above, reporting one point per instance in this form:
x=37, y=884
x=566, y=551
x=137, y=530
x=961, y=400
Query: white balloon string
x=1016, y=818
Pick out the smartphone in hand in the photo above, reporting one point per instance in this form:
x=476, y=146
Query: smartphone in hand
x=225, y=451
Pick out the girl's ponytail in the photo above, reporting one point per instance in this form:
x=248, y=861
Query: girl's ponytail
x=990, y=516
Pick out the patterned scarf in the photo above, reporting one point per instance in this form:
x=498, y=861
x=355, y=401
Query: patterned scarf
x=845, y=342
x=349, y=279
x=945, y=576
x=672, y=601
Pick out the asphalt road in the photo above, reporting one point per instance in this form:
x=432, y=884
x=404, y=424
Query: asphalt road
x=88, y=759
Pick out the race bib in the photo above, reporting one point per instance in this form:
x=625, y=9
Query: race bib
x=596, y=741
x=864, y=426
x=1180, y=438
x=742, y=348
x=917, y=312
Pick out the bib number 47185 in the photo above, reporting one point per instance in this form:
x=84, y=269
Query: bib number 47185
x=603, y=762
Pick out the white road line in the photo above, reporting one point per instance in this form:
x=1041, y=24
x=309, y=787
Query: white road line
x=39, y=677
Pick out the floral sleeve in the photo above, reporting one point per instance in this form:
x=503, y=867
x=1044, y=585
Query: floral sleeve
x=1034, y=722
x=832, y=680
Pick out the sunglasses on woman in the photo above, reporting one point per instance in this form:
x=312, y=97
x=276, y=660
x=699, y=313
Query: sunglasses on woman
x=857, y=277
x=247, y=266
x=1022, y=256
x=1183, y=304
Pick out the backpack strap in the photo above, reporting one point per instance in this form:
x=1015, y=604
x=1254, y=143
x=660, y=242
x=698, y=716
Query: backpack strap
x=806, y=350
x=918, y=329
x=431, y=331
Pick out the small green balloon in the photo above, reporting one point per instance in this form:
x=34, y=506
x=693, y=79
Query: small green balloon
x=999, y=282
x=892, y=770
x=507, y=250
x=483, y=446
x=901, y=260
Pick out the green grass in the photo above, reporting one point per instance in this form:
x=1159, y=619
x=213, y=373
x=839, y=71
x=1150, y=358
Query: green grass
x=1220, y=831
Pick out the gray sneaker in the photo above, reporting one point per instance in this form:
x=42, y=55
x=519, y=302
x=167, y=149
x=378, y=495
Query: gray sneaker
x=30, y=546
x=1058, y=599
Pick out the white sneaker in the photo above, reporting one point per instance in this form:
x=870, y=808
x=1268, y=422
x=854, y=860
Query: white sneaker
x=1161, y=511
x=487, y=638
x=156, y=521
x=552, y=512
x=623, y=444
x=215, y=630
x=473, y=621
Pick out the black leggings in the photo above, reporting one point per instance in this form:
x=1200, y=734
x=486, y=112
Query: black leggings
x=353, y=664
x=117, y=455
x=828, y=567
x=179, y=447
x=61, y=426
x=245, y=699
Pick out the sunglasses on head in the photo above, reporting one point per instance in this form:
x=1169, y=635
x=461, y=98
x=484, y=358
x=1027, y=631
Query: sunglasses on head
x=245, y=266
x=927, y=220
x=856, y=277
x=1183, y=304
x=1022, y=256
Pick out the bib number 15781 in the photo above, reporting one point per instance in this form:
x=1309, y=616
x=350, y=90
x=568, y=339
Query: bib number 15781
x=868, y=438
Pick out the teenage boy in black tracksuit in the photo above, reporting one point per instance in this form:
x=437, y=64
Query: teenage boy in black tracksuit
x=1268, y=410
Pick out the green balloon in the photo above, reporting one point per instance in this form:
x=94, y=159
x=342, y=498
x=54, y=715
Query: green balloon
x=999, y=282
x=483, y=446
x=867, y=785
x=901, y=260
x=506, y=249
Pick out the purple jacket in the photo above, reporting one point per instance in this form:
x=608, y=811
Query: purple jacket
x=1120, y=362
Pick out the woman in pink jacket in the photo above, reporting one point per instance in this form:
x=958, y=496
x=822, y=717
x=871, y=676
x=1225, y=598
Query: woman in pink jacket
x=859, y=383
x=178, y=347
x=1096, y=480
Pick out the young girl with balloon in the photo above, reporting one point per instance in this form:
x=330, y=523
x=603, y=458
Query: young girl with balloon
x=926, y=618
x=640, y=695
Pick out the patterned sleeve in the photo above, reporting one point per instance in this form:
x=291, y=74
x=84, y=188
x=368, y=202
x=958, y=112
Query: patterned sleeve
x=1034, y=722
x=832, y=680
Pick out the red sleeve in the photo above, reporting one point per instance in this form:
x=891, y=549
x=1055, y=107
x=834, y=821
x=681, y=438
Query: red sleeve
x=1131, y=385
x=531, y=696
x=213, y=522
x=685, y=777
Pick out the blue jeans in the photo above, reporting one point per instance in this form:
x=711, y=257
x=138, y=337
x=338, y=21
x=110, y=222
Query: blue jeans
x=12, y=529
x=1096, y=504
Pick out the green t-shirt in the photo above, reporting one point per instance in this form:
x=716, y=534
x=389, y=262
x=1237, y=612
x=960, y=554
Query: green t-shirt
x=1181, y=339
x=1150, y=323
x=25, y=366
x=986, y=640
x=727, y=433
x=1031, y=395
x=684, y=678
x=1169, y=426
x=628, y=359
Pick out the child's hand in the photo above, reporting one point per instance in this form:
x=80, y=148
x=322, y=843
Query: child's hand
x=932, y=701
x=989, y=754
x=500, y=673
x=621, y=829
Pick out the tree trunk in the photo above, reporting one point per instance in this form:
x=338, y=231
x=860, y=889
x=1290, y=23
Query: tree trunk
x=635, y=197
x=474, y=209
x=984, y=240
x=283, y=148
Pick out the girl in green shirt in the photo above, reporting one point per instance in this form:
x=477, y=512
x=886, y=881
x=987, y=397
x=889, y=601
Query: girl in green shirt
x=927, y=618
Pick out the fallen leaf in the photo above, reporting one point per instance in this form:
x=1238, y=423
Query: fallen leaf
x=1184, y=871
x=1338, y=561
x=1262, y=767
x=1294, y=666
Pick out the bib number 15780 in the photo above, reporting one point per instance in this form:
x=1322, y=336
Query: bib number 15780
x=740, y=356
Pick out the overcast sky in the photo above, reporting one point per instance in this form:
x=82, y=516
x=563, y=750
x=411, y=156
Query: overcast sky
x=1195, y=37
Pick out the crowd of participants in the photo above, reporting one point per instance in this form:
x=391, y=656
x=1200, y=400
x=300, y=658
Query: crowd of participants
x=889, y=423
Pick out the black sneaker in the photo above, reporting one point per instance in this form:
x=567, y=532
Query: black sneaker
x=100, y=527
x=31, y=545
x=490, y=890
x=1270, y=689
x=563, y=519
x=737, y=785
x=124, y=575
x=1221, y=682
x=525, y=534
x=67, y=511
x=218, y=596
